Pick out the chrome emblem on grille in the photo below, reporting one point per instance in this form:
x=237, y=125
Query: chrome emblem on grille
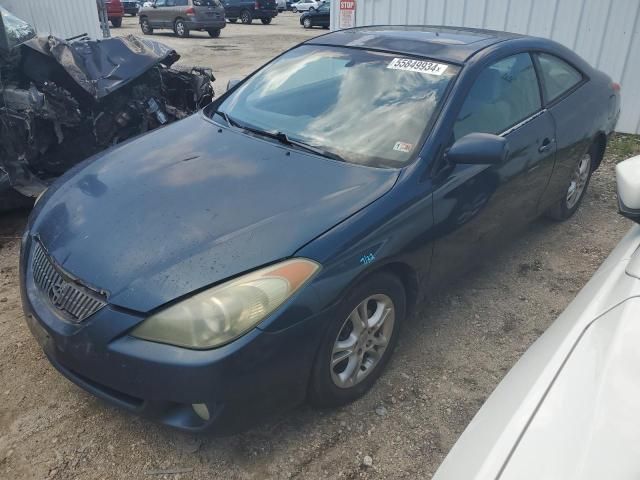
x=57, y=293
x=77, y=301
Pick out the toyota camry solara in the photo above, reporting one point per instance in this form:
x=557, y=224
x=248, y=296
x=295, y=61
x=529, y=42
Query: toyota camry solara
x=267, y=249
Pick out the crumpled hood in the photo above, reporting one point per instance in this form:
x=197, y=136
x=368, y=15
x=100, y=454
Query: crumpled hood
x=189, y=205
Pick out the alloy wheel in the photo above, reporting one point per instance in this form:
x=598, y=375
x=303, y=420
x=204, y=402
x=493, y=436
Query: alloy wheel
x=180, y=28
x=362, y=340
x=307, y=23
x=579, y=179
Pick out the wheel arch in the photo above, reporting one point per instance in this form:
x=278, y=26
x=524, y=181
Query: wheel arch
x=598, y=147
x=407, y=275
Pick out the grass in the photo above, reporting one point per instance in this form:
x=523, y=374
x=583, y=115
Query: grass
x=622, y=146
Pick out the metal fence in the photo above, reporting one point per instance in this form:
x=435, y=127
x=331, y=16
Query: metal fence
x=62, y=18
x=604, y=32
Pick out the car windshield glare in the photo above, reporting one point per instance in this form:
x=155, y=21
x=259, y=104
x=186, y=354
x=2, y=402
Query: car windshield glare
x=369, y=108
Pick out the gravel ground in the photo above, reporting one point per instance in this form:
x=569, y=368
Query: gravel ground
x=452, y=353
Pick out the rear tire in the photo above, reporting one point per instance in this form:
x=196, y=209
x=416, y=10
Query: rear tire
x=180, y=28
x=576, y=188
x=245, y=17
x=214, y=32
x=347, y=351
x=265, y=21
x=145, y=26
x=116, y=22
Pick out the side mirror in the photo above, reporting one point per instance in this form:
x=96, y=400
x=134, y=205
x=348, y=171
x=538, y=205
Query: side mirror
x=479, y=149
x=628, y=180
x=232, y=83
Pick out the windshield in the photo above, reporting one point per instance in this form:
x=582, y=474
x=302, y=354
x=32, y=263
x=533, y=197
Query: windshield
x=366, y=107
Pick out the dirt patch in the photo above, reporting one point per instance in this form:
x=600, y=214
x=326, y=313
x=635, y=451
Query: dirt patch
x=452, y=353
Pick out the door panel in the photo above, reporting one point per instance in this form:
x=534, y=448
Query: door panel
x=476, y=207
x=162, y=12
x=155, y=14
x=231, y=8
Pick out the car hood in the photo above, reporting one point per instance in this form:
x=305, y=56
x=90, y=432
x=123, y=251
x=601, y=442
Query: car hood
x=191, y=204
x=591, y=410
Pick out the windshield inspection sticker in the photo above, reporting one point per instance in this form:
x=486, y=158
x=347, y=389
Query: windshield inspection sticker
x=403, y=147
x=419, y=66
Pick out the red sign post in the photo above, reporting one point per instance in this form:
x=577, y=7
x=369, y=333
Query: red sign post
x=347, y=18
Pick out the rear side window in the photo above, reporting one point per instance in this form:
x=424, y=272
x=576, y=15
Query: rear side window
x=181, y=3
x=558, y=77
x=503, y=95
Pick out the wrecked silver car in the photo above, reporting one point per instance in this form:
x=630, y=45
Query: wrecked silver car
x=63, y=101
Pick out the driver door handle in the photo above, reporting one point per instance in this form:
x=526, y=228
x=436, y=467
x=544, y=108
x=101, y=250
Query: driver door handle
x=546, y=145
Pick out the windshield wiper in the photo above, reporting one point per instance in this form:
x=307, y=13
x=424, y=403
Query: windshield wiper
x=227, y=118
x=286, y=140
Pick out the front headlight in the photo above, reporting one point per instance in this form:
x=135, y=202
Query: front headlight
x=223, y=313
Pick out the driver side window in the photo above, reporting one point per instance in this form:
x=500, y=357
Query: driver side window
x=503, y=95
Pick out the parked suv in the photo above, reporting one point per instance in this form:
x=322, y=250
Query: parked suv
x=182, y=16
x=115, y=12
x=305, y=6
x=130, y=7
x=247, y=10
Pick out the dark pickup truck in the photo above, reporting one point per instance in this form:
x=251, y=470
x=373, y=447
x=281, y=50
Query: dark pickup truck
x=248, y=10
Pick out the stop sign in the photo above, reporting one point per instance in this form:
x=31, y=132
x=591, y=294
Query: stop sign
x=347, y=14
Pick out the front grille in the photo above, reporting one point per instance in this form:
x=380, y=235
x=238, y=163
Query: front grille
x=63, y=293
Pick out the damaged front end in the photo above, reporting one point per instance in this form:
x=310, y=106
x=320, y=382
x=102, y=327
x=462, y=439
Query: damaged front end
x=61, y=102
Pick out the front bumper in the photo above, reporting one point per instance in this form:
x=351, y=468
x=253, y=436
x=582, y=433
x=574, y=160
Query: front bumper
x=257, y=375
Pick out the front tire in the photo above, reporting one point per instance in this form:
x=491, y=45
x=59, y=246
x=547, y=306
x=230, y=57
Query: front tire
x=245, y=17
x=180, y=28
x=146, y=27
x=576, y=188
x=116, y=22
x=265, y=21
x=214, y=32
x=294, y=10
x=359, y=341
x=307, y=23
x=233, y=20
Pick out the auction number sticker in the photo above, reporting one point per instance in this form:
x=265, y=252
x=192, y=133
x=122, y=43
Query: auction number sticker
x=419, y=66
x=403, y=147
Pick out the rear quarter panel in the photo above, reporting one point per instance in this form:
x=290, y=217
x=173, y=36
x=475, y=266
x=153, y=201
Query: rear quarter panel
x=580, y=118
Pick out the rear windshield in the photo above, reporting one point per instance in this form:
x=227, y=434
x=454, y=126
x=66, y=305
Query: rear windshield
x=369, y=108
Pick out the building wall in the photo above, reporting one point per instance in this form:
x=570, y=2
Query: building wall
x=604, y=32
x=62, y=18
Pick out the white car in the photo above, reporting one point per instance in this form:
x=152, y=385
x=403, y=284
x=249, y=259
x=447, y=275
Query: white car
x=305, y=6
x=570, y=408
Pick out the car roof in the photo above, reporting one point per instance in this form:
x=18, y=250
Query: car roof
x=449, y=44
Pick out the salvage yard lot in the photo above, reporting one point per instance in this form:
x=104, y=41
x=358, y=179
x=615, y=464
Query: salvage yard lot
x=453, y=351
x=239, y=50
